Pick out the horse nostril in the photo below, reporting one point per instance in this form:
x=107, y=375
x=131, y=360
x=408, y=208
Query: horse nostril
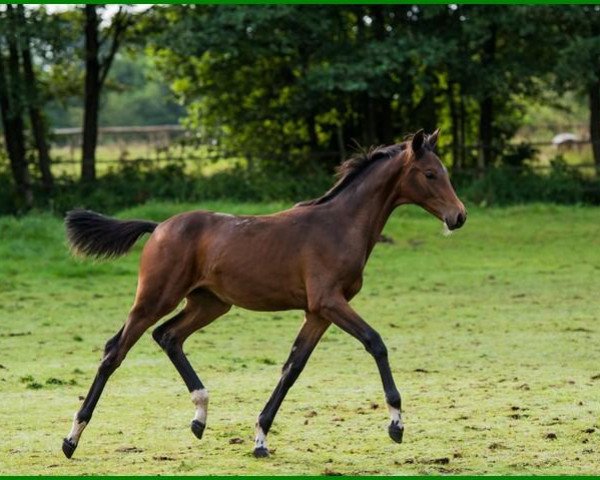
x=460, y=220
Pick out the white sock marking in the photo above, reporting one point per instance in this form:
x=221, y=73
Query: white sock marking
x=395, y=416
x=200, y=399
x=76, y=430
x=260, y=440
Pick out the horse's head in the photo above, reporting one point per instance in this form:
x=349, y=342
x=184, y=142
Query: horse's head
x=424, y=182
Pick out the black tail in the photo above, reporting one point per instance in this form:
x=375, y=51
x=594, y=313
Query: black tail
x=94, y=235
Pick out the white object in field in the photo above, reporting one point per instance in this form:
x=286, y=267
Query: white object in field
x=565, y=139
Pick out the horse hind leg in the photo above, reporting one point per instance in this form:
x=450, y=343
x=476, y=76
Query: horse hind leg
x=83, y=416
x=202, y=308
x=139, y=320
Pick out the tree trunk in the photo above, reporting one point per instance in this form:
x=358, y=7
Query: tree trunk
x=96, y=71
x=91, y=95
x=486, y=116
x=11, y=106
x=38, y=126
x=313, y=139
x=371, y=134
x=456, y=161
x=11, y=136
x=462, y=128
x=486, y=106
x=385, y=131
x=382, y=105
x=428, y=110
x=594, y=100
x=340, y=141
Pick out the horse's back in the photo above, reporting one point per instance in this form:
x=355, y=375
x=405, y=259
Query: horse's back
x=255, y=262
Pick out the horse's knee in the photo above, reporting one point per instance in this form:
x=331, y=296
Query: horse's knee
x=111, y=361
x=167, y=342
x=112, y=342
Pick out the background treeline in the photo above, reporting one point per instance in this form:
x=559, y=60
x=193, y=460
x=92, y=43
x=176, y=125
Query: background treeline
x=284, y=91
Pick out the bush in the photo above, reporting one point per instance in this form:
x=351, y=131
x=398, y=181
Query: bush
x=505, y=185
x=135, y=183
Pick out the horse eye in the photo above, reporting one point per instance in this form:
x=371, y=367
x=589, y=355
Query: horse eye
x=429, y=174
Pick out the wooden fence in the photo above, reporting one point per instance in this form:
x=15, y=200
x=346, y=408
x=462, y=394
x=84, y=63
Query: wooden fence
x=164, y=143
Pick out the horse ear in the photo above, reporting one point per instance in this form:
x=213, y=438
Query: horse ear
x=417, y=141
x=433, y=138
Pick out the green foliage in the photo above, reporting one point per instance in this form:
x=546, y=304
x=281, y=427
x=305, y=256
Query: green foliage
x=577, y=64
x=517, y=155
x=134, y=96
x=289, y=87
x=507, y=184
x=134, y=183
x=515, y=179
x=273, y=80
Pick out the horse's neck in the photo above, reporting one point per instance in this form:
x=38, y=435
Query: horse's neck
x=365, y=209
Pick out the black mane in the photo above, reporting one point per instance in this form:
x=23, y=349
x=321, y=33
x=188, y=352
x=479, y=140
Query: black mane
x=355, y=166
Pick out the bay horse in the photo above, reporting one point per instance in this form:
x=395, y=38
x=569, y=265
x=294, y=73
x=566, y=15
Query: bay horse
x=310, y=257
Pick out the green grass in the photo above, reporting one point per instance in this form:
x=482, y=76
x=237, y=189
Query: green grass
x=493, y=338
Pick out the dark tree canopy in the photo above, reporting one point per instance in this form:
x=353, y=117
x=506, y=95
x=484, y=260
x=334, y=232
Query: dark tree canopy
x=294, y=87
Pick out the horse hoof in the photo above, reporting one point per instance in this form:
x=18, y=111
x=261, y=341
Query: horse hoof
x=68, y=447
x=198, y=428
x=261, y=452
x=396, y=432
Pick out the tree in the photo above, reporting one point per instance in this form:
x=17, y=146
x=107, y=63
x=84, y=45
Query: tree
x=33, y=100
x=99, y=55
x=31, y=41
x=495, y=57
x=578, y=61
x=238, y=70
x=275, y=82
x=11, y=106
x=287, y=81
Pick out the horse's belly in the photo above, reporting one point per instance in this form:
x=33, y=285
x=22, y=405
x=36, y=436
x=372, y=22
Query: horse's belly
x=255, y=268
x=261, y=293
x=253, y=298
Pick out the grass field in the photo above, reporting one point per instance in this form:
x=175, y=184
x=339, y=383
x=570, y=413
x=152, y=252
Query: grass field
x=493, y=334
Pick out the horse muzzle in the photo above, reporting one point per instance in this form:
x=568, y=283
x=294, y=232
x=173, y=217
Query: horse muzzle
x=456, y=221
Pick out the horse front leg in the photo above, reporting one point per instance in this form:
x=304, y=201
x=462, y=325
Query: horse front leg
x=311, y=332
x=338, y=311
